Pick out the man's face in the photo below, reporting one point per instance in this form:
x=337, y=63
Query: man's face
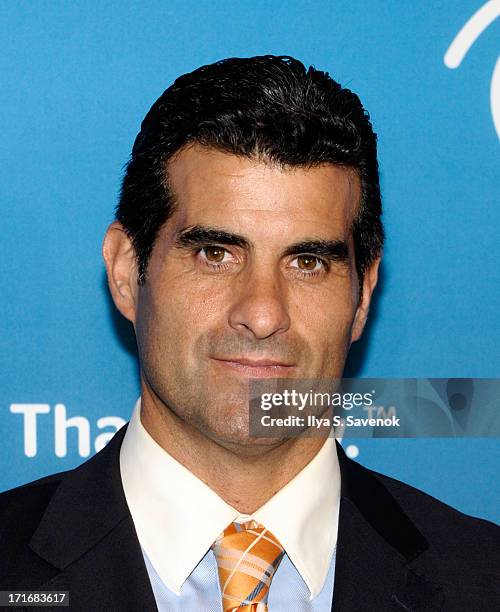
x=253, y=276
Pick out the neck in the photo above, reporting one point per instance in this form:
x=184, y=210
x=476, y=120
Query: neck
x=232, y=470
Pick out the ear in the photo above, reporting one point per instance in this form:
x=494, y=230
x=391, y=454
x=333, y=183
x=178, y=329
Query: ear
x=369, y=282
x=120, y=259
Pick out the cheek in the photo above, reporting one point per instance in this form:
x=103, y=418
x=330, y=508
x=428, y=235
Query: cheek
x=325, y=319
x=174, y=313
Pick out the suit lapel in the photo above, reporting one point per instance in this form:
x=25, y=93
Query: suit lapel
x=88, y=535
x=378, y=550
x=110, y=576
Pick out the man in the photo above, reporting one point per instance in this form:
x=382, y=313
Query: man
x=246, y=246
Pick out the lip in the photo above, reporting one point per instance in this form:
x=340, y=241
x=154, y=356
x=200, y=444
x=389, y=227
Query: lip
x=255, y=368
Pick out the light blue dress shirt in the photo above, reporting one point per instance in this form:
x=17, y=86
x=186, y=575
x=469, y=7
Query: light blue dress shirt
x=201, y=591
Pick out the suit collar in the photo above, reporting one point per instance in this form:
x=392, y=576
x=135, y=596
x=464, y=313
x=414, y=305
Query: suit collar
x=379, y=549
x=379, y=508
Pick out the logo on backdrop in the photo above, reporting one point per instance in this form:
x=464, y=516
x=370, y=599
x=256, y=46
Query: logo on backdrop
x=356, y=408
x=58, y=419
x=464, y=40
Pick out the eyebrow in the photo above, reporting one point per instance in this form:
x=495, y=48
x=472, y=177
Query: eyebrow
x=334, y=250
x=200, y=235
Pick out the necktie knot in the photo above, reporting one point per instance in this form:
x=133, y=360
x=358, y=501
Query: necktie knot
x=247, y=557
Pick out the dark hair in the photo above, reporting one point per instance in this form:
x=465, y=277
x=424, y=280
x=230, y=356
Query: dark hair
x=267, y=106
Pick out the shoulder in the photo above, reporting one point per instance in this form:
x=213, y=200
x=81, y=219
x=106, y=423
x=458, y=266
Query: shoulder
x=32, y=493
x=462, y=542
x=432, y=512
x=22, y=508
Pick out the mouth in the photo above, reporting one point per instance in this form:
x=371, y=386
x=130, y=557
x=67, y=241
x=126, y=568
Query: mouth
x=255, y=368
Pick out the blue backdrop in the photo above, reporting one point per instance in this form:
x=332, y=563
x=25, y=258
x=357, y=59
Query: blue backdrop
x=76, y=80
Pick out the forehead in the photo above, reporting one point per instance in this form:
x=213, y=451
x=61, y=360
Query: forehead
x=254, y=195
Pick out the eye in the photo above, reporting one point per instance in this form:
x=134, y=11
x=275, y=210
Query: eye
x=216, y=258
x=214, y=254
x=308, y=264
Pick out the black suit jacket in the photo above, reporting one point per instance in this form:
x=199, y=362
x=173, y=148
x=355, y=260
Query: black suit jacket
x=398, y=548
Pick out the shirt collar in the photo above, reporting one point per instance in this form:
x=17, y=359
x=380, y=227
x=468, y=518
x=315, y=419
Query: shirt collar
x=172, y=509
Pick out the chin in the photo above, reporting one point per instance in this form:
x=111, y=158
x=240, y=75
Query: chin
x=243, y=441
x=232, y=429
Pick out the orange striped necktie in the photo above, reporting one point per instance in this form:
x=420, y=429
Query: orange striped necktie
x=247, y=556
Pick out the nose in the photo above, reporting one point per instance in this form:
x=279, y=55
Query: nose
x=260, y=308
